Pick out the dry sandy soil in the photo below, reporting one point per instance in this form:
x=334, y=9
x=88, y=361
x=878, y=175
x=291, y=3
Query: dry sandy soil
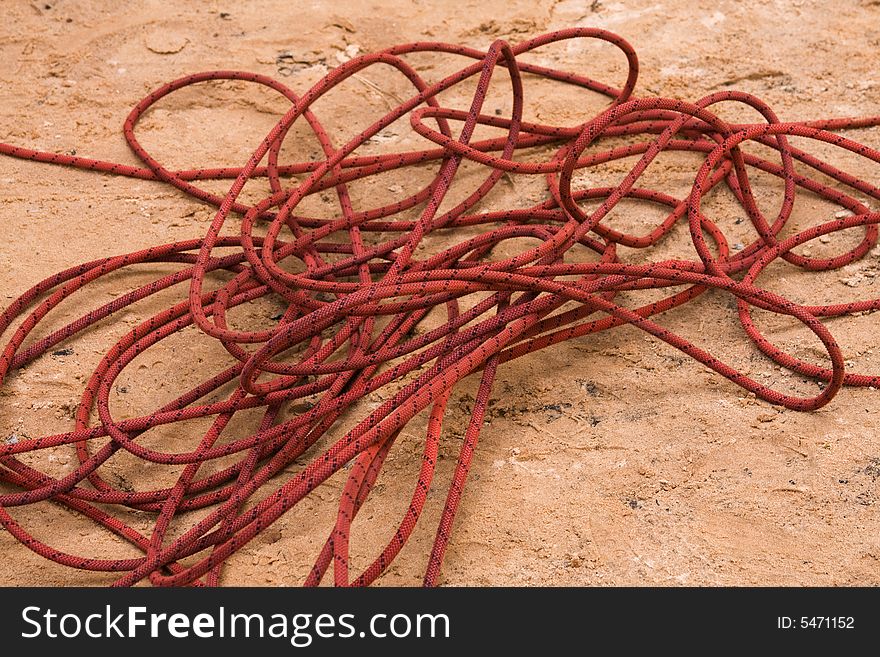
x=654, y=471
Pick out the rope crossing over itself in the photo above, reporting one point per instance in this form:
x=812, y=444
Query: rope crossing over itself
x=355, y=287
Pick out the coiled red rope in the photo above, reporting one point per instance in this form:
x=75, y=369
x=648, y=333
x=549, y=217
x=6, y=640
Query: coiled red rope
x=351, y=308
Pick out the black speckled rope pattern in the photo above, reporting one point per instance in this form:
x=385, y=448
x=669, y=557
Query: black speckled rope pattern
x=348, y=283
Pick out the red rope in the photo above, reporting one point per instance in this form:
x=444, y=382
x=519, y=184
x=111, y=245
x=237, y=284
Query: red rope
x=347, y=330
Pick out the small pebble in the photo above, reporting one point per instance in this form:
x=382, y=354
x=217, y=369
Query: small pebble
x=163, y=42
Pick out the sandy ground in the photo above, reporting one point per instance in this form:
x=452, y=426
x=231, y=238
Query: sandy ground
x=654, y=471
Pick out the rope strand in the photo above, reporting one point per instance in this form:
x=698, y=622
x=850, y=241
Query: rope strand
x=355, y=288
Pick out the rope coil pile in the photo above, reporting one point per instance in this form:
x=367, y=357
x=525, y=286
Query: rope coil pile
x=360, y=291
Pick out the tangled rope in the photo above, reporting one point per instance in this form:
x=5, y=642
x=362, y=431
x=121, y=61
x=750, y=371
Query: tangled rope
x=353, y=297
